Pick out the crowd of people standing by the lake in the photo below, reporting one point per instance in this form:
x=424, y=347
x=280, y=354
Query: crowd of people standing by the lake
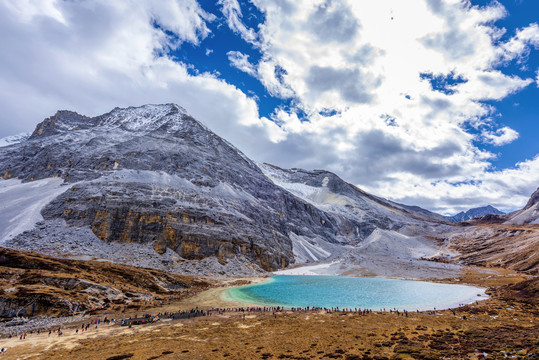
x=277, y=309
x=147, y=318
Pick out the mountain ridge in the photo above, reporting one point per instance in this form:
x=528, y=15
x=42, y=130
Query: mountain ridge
x=475, y=213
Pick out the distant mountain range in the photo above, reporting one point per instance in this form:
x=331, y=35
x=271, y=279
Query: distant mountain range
x=474, y=213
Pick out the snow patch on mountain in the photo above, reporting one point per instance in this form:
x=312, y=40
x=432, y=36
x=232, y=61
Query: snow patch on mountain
x=312, y=250
x=21, y=204
x=391, y=242
x=144, y=118
x=13, y=139
x=328, y=269
x=149, y=177
x=321, y=197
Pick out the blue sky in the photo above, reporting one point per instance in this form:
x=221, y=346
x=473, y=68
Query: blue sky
x=211, y=55
x=519, y=111
x=425, y=102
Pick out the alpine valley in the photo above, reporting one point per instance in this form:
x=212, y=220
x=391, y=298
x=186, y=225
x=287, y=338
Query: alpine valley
x=152, y=187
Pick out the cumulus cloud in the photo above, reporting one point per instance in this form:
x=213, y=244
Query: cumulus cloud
x=377, y=77
x=332, y=21
x=519, y=45
x=351, y=84
x=502, y=136
x=26, y=10
x=507, y=189
x=241, y=62
x=232, y=11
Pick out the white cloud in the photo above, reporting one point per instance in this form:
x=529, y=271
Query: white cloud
x=26, y=10
x=502, y=136
x=186, y=19
x=241, y=62
x=519, y=45
x=347, y=66
x=377, y=75
x=232, y=11
x=507, y=189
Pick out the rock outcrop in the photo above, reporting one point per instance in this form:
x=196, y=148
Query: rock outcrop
x=534, y=199
x=34, y=284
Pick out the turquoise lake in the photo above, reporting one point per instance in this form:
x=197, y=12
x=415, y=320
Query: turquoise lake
x=355, y=292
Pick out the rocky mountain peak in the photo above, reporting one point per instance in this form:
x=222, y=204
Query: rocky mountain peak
x=134, y=119
x=63, y=120
x=534, y=199
x=146, y=118
x=150, y=137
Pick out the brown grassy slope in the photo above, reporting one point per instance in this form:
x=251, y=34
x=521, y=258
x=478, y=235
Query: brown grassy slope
x=525, y=293
x=35, y=284
x=508, y=246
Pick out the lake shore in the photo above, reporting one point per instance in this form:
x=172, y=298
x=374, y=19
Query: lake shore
x=293, y=291
x=218, y=297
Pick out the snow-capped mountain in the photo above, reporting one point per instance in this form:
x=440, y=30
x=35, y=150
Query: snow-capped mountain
x=474, y=213
x=154, y=175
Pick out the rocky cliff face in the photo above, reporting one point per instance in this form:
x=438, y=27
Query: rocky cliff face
x=155, y=175
x=534, y=199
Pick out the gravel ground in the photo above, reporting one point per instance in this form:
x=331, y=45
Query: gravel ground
x=34, y=324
